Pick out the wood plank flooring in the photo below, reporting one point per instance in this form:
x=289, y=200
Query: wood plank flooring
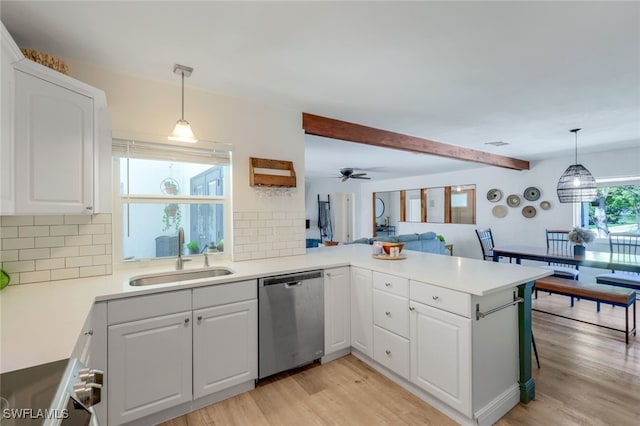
x=588, y=377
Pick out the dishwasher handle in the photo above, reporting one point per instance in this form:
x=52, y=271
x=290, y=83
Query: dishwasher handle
x=293, y=284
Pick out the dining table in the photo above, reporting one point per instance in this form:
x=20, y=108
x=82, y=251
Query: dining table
x=592, y=259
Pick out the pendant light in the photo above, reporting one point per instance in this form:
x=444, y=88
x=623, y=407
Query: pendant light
x=182, y=132
x=576, y=184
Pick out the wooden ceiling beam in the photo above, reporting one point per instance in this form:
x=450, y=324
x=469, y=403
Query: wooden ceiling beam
x=352, y=132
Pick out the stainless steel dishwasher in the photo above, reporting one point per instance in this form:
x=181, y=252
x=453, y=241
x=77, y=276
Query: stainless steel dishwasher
x=290, y=321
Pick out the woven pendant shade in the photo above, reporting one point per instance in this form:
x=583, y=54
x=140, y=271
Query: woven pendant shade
x=576, y=185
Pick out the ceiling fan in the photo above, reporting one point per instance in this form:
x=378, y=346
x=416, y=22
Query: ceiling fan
x=347, y=173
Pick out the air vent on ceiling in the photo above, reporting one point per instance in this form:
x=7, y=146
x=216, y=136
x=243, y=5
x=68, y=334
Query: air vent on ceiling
x=497, y=143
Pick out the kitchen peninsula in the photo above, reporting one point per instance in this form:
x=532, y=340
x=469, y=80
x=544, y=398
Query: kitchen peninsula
x=476, y=378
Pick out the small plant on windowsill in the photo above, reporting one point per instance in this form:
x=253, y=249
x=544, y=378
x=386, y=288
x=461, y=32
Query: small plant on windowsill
x=193, y=247
x=441, y=238
x=172, y=218
x=580, y=236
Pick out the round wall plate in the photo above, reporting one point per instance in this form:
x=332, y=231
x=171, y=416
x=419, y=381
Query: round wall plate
x=494, y=195
x=531, y=193
x=528, y=211
x=499, y=211
x=545, y=205
x=513, y=200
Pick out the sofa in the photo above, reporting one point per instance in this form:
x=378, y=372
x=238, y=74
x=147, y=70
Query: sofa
x=426, y=242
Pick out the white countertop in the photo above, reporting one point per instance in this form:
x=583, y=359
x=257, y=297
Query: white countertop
x=41, y=322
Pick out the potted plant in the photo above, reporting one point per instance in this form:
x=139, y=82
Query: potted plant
x=172, y=217
x=580, y=236
x=193, y=247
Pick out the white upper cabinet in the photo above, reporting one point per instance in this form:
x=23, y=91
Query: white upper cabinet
x=56, y=145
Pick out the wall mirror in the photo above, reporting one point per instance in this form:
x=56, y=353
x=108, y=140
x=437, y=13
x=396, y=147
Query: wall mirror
x=444, y=204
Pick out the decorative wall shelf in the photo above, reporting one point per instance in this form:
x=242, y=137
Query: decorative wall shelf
x=272, y=173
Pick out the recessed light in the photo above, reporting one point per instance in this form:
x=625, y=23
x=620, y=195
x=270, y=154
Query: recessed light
x=497, y=143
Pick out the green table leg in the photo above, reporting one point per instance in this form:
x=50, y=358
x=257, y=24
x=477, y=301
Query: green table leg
x=527, y=385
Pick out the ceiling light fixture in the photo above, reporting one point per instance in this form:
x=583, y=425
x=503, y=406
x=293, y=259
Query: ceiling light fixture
x=576, y=184
x=182, y=132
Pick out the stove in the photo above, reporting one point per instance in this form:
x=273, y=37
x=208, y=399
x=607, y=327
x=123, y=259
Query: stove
x=57, y=393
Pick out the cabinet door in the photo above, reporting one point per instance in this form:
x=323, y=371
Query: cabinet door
x=441, y=355
x=225, y=346
x=337, y=320
x=53, y=148
x=362, y=310
x=149, y=366
x=7, y=161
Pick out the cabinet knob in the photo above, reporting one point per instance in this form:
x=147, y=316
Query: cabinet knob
x=328, y=274
x=88, y=333
x=88, y=208
x=199, y=317
x=387, y=284
x=388, y=352
x=186, y=320
x=435, y=297
x=387, y=313
x=411, y=308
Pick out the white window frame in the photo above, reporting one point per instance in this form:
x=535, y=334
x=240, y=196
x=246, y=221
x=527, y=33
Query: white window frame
x=121, y=199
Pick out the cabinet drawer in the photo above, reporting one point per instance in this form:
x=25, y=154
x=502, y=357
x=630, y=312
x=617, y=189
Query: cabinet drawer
x=221, y=294
x=441, y=298
x=392, y=351
x=391, y=283
x=153, y=305
x=391, y=312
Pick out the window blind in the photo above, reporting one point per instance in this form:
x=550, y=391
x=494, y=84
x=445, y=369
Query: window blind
x=217, y=154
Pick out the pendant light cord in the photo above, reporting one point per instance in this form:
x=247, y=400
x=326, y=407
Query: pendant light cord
x=575, y=132
x=183, y=102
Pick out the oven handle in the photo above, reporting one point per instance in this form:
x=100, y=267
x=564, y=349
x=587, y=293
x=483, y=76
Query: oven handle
x=293, y=284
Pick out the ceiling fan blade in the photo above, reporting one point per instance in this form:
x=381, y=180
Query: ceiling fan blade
x=358, y=174
x=360, y=177
x=345, y=178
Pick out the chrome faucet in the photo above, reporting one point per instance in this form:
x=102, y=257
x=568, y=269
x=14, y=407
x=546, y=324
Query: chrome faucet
x=180, y=261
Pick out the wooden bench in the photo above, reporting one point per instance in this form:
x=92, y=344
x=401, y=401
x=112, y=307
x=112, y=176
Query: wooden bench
x=599, y=293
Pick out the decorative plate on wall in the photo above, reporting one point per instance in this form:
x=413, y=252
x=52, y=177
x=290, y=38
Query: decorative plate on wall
x=494, y=195
x=499, y=211
x=528, y=211
x=513, y=200
x=545, y=205
x=531, y=193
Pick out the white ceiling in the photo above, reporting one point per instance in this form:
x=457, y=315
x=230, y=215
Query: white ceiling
x=463, y=73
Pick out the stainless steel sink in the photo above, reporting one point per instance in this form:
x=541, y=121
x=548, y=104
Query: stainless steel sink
x=175, y=277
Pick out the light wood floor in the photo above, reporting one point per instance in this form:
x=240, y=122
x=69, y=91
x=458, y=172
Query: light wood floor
x=588, y=377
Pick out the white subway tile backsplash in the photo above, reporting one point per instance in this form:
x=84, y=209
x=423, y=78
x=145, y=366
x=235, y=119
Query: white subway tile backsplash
x=19, y=266
x=42, y=264
x=78, y=240
x=69, y=251
x=79, y=219
x=92, y=271
x=44, y=248
x=33, y=231
x=91, y=229
x=266, y=234
x=9, y=255
x=8, y=232
x=49, y=242
x=49, y=220
x=17, y=243
x=16, y=220
x=65, y=274
x=63, y=230
x=31, y=254
x=72, y=262
x=34, y=277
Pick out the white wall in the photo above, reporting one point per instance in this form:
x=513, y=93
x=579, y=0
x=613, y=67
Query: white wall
x=514, y=228
x=330, y=187
x=141, y=106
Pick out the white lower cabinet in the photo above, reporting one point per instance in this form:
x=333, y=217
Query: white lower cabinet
x=171, y=348
x=149, y=366
x=362, y=310
x=441, y=355
x=337, y=310
x=225, y=347
x=392, y=351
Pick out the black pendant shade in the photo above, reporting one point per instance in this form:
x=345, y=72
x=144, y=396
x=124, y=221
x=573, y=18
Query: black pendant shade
x=576, y=184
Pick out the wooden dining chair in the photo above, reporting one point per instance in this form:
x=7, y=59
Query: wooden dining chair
x=626, y=245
